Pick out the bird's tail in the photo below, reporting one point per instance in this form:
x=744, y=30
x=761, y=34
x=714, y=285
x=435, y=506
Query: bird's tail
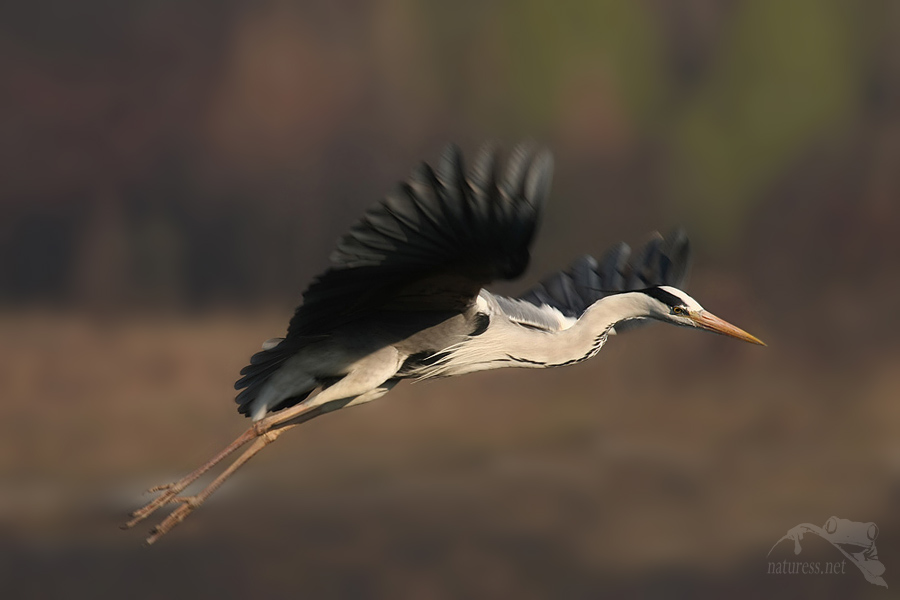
x=263, y=365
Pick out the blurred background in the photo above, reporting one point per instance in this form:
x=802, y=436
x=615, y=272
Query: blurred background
x=172, y=174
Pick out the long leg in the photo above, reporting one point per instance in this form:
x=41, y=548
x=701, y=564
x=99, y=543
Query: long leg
x=189, y=503
x=349, y=391
x=170, y=490
x=301, y=414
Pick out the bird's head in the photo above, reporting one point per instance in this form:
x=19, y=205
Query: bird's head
x=675, y=306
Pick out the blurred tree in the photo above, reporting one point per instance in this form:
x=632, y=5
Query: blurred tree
x=505, y=64
x=785, y=77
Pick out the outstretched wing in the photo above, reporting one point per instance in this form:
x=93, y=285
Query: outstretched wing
x=433, y=242
x=662, y=261
x=430, y=245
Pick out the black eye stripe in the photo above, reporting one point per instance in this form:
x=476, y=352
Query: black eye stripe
x=663, y=296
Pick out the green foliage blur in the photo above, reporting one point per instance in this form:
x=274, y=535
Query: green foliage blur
x=171, y=155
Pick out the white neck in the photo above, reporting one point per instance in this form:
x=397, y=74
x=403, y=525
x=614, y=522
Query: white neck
x=585, y=338
x=607, y=312
x=511, y=345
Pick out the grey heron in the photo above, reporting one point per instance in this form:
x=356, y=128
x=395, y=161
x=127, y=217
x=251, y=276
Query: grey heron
x=405, y=299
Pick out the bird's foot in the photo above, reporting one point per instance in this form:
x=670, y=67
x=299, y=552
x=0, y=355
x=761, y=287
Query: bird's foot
x=169, y=495
x=160, y=488
x=187, y=506
x=174, y=518
x=193, y=501
x=261, y=434
x=169, y=491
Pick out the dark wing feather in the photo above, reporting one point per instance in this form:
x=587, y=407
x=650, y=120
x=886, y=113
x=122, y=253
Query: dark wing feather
x=430, y=245
x=433, y=242
x=660, y=262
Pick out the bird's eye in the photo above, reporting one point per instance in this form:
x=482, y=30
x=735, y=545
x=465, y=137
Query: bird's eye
x=678, y=310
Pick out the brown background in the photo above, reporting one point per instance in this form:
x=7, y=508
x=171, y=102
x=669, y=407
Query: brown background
x=173, y=173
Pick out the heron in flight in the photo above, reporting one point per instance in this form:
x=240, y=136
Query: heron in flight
x=405, y=299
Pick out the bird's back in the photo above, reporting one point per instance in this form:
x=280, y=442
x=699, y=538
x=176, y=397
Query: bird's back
x=407, y=274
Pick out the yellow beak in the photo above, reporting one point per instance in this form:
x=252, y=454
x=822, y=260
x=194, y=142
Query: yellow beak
x=711, y=322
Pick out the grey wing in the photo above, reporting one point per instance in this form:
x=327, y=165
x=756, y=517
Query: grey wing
x=523, y=312
x=434, y=242
x=430, y=245
x=662, y=261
